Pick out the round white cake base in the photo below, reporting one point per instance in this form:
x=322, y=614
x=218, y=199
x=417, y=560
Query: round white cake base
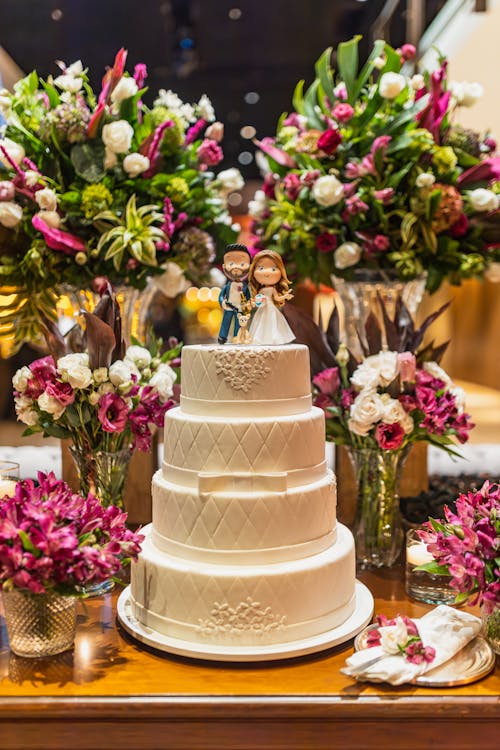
x=352, y=626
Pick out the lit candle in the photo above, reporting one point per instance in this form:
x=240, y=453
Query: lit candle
x=7, y=487
x=418, y=554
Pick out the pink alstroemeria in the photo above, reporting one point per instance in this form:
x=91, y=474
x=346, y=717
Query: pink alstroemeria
x=487, y=170
x=380, y=143
x=56, y=239
x=281, y=157
x=385, y=195
x=407, y=367
x=195, y=131
x=433, y=114
x=140, y=74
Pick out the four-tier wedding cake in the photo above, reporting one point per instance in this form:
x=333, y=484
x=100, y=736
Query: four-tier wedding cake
x=244, y=557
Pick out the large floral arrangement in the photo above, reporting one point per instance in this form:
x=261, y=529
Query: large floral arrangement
x=102, y=185
x=394, y=396
x=466, y=546
x=53, y=540
x=370, y=171
x=104, y=398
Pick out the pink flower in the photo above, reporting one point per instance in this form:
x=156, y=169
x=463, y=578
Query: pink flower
x=381, y=242
x=215, y=131
x=459, y=228
x=343, y=112
x=56, y=239
x=368, y=165
x=329, y=140
x=195, y=131
x=407, y=402
x=280, y=157
x=487, y=170
x=347, y=397
x=389, y=436
x=309, y=178
x=385, y=195
x=209, y=153
x=353, y=170
x=322, y=401
x=112, y=412
x=490, y=143
x=294, y=120
x=340, y=91
x=140, y=74
x=292, y=185
x=408, y=52
x=327, y=381
x=269, y=185
x=151, y=146
x=380, y=143
x=63, y=392
x=326, y=242
x=7, y=190
x=354, y=205
x=407, y=367
x=426, y=399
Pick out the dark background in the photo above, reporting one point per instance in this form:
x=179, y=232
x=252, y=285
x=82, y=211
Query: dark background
x=225, y=48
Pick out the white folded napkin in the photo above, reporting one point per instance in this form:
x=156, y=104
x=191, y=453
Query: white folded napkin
x=445, y=629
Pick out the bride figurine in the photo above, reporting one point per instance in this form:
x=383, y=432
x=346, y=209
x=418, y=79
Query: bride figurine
x=269, y=287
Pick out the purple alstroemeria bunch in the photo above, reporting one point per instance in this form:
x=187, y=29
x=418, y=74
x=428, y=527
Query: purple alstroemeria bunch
x=466, y=546
x=54, y=540
x=400, y=636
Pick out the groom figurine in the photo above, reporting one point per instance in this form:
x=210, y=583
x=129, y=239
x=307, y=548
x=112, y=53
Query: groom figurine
x=235, y=290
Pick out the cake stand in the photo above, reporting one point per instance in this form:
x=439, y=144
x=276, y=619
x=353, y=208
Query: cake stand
x=352, y=626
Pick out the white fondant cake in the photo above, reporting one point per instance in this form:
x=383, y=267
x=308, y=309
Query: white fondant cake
x=244, y=548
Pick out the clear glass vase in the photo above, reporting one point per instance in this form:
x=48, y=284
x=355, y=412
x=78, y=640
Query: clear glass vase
x=491, y=627
x=39, y=624
x=102, y=472
x=362, y=295
x=378, y=530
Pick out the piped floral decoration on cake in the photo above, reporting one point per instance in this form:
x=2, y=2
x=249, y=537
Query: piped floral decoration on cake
x=466, y=546
x=104, y=397
x=54, y=540
x=400, y=636
x=100, y=184
x=371, y=171
x=397, y=394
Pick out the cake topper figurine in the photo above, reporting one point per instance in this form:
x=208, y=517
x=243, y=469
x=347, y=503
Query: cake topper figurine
x=270, y=290
x=235, y=293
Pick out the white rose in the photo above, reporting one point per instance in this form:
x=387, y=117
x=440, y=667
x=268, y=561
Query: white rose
x=163, y=380
x=417, y=81
x=117, y=136
x=51, y=218
x=94, y=398
x=425, y=179
x=10, y=214
x=230, y=180
x=259, y=204
x=28, y=417
x=379, y=369
x=347, y=254
x=75, y=69
x=139, y=355
x=393, y=636
x=69, y=83
x=367, y=409
x=14, y=150
x=110, y=159
x=172, y=282
x=391, y=84
x=121, y=372
x=46, y=199
x=74, y=370
x=105, y=388
x=328, y=190
x=51, y=405
x=465, y=93
x=100, y=375
x=482, y=199
x=134, y=164
x=394, y=412
x=437, y=372
x=206, y=109
x=124, y=89
x=459, y=395
x=20, y=379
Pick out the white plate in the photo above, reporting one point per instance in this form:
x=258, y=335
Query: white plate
x=356, y=622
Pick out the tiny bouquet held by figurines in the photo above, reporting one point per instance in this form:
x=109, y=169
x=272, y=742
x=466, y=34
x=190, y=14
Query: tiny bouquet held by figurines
x=259, y=285
x=107, y=399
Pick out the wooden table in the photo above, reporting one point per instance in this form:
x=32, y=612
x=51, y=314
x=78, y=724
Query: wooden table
x=112, y=693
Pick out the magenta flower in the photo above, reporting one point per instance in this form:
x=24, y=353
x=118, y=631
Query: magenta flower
x=432, y=116
x=112, y=413
x=140, y=74
x=343, y=112
x=408, y=52
x=330, y=140
x=292, y=185
x=487, y=170
x=460, y=227
x=380, y=144
x=326, y=242
x=63, y=392
x=385, y=195
x=389, y=436
x=381, y=242
x=327, y=381
x=209, y=153
x=354, y=205
x=195, y=131
x=294, y=120
x=269, y=185
x=56, y=239
x=322, y=401
x=280, y=157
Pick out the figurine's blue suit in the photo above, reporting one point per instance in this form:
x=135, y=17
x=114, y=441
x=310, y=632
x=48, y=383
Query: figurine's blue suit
x=232, y=314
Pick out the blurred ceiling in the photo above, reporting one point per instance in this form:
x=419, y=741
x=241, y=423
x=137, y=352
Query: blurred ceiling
x=247, y=55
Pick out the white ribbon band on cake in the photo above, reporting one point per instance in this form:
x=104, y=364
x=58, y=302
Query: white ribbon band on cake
x=445, y=629
x=243, y=481
x=280, y=407
x=261, y=556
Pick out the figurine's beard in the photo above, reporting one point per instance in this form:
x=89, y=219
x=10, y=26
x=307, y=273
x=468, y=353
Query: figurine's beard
x=236, y=275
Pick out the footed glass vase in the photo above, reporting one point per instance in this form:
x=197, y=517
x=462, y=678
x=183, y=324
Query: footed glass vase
x=491, y=627
x=39, y=624
x=378, y=530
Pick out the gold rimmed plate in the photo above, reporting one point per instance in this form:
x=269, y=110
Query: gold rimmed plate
x=472, y=663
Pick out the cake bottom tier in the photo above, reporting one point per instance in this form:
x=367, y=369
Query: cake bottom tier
x=244, y=605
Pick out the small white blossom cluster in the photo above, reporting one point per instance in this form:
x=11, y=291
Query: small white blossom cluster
x=186, y=113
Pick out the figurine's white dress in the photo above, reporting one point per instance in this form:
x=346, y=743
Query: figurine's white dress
x=268, y=325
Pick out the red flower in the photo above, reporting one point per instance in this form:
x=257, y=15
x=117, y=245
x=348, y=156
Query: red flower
x=389, y=436
x=292, y=185
x=323, y=402
x=112, y=413
x=326, y=242
x=381, y=242
x=459, y=228
x=329, y=140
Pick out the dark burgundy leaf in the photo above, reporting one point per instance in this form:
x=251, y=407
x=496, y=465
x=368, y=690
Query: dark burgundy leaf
x=54, y=339
x=307, y=332
x=391, y=331
x=419, y=334
x=373, y=334
x=100, y=341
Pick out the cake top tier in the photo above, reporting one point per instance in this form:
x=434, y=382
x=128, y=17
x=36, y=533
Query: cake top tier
x=226, y=380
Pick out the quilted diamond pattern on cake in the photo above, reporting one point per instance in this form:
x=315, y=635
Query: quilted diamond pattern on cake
x=222, y=522
x=261, y=445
